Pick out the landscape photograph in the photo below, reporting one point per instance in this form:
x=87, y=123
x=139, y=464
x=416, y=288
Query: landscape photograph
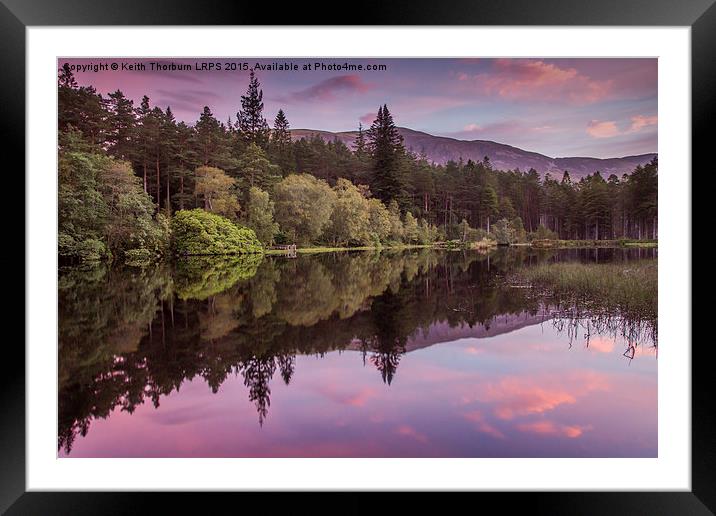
x=357, y=257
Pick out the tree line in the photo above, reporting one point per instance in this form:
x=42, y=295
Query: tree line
x=311, y=190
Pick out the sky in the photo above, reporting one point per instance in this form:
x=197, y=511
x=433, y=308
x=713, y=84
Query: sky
x=597, y=107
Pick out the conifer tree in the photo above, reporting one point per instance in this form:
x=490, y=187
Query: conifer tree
x=121, y=125
x=386, y=145
x=252, y=125
x=281, y=150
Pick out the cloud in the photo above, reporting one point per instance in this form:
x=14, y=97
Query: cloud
x=482, y=425
x=501, y=130
x=602, y=129
x=368, y=118
x=640, y=121
x=530, y=79
x=609, y=129
x=601, y=344
x=330, y=89
x=550, y=428
x=409, y=431
x=514, y=397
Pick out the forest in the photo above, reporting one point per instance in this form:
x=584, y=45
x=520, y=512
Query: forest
x=133, y=180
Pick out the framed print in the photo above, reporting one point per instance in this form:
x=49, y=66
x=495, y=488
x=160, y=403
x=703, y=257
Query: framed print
x=428, y=253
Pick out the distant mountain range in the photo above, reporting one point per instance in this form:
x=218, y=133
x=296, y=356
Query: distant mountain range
x=442, y=332
x=440, y=149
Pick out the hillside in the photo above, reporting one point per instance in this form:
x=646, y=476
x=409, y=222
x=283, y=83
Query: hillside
x=440, y=150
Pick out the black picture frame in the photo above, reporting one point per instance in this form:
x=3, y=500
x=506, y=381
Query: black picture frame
x=17, y=15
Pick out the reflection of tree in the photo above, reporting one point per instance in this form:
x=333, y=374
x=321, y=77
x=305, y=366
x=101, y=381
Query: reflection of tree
x=125, y=337
x=287, y=365
x=199, y=277
x=257, y=372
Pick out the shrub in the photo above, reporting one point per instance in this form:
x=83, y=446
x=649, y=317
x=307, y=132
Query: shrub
x=139, y=257
x=91, y=250
x=197, y=232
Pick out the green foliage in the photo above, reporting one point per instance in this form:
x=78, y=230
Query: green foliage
x=304, y=206
x=410, y=229
x=387, y=152
x=542, y=233
x=350, y=220
x=503, y=232
x=198, y=232
x=199, y=277
x=105, y=211
x=631, y=288
x=255, y=170
x=259, y=215
x=130, y=223
x=280, y=146
x=138, y=257
x=397, y=230
x=218, y=191
x=252, y=125
x=102, y=209
x=427, y=233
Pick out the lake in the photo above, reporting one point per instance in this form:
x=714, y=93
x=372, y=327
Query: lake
x=417, y=353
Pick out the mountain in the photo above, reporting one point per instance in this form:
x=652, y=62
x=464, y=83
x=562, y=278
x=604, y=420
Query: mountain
x=440, y=149
x=441, y=332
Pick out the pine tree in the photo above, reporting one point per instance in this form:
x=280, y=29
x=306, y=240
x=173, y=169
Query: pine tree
x=145, y=128
x=387, y=151
x=252, y=126
x=281, y=149
x=360, y=146
x=67, y=78
x=121, y=126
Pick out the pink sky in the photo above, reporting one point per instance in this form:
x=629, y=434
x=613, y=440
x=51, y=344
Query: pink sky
x=558, y=107
x=526, y=393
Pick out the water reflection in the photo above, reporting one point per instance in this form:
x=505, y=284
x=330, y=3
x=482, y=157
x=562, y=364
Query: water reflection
x=130, y=336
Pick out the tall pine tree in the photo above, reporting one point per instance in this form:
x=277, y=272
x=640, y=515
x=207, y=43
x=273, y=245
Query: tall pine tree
x=387, y=151
x=252, y=125
x=281, y=149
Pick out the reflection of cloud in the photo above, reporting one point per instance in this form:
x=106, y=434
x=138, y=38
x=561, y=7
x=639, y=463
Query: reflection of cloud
x=352, y=399
x=329, y=89
x=601, y=344
x=530, y=79
x=549, y=428
x=409, y=431
x=514, y=396
x=482, y=425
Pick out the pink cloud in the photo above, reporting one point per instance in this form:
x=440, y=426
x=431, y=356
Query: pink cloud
x=601, y=344
x=605, y=129
x=329, y=89
x=409, y=431
x=638, y=122
x=482, y=425
x=550, y=428
x=368, y=118
x=529, y=79
x=513, y=397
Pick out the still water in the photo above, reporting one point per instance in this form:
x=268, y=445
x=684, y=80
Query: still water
x=364, y=354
